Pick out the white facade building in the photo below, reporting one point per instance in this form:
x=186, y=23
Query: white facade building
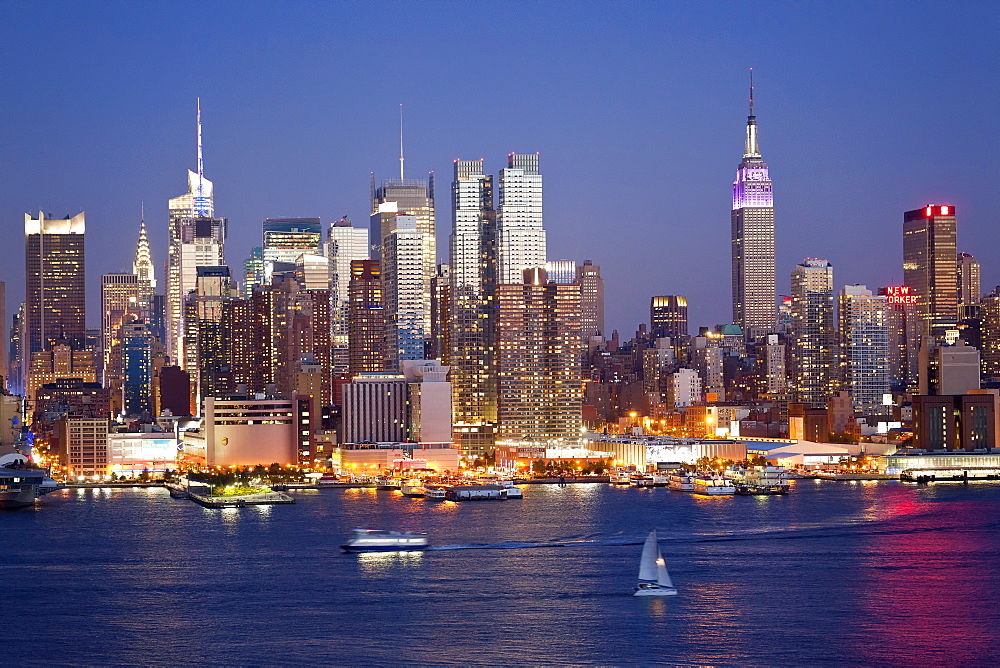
x=864, y=347
x=243, y=432
x=430, y=401
x=685, y=387
x=521, y=237
x=344, y=244
x=403, y=292
x=375, y=409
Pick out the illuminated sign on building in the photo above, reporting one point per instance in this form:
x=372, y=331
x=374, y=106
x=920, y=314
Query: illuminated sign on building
x=899, y=294
x=930, y=209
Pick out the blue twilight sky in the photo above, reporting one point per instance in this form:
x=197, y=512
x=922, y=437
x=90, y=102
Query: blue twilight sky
x=637, y=108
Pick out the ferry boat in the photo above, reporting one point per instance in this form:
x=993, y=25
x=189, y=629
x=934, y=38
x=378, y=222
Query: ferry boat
x=681, y=482
x=379, y=540
x=510, y=490
x=435, y=493
x=640, y=480
x=759, y=480
x=22, y=484
x=620, y=477
x=708, y=484
x=412, y=487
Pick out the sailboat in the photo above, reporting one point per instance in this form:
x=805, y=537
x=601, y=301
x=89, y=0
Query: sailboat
x=653, y=577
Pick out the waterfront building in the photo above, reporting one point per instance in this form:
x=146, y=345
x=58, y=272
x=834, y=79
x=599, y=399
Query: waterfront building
x=253, y=271
x=752, y=223
x=520, y=233
x=969, y=292
x=588, y=277
x=120, y=304
x=441, y=457
x=84, y=447
x=412, y=197
x=471, y=313
x=285, y=239
x=366, y=318
x=403, y=293
x=145, y=273
x=55, y=292
x=539, y=348
x=243, y=431
x=185, y=211
x=344, y=244
x=954, y=422
x=864, y=348
x=375, y=409
x=137, y=369
x=814, y=358
x=131, y=453
x=929, y=267
x=430, y=419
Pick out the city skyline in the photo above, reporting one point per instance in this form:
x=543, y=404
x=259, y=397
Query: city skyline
x=846, y=147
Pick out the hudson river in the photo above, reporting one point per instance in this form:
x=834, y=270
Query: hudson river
x=833, y=573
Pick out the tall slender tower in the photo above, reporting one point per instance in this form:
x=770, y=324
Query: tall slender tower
x=472, y=319
x=520, y=234
x=864, y=347
x=754, y=308
x=813, y=336
x=969, y=292
x=345, y=243
x=184, y=210
x=144, y=270
x=402, y=291
x=929, y=266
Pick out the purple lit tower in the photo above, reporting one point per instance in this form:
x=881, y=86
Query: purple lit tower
x=754, y=307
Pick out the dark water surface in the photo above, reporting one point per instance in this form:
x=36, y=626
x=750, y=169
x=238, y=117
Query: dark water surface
x=833, y=573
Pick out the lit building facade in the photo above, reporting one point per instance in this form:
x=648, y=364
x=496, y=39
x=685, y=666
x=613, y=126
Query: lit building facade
x=864, y=348
x=285, y=239
x=814, y=356
x=520, y=233
x=969, y=291
x=366, y=318
x=990, y=310
x=344, y=244
x=120, y=304
x=588, y=277
x=137, y=369
x=145, y=273
x=253, y=271
x=375, y=409
x=752, y=225
x=403, y=293
x=929, y=267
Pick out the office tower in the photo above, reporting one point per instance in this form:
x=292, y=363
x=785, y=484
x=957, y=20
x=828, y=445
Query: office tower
x=588, y=276
x=968, y=282
x=60, y=361
x=253, y=271
x=561, y=271
x=194, y=238
x=366, y=319
x=17, y=368
x=344, y=244
x=864, y=347
x=473, y=277
x=753, y=239
x=990, y=344
x=429, y=392
x=814, y=369
x=905, y=331
x=204, y=335
x=145, y=272
x=55, y=294
x=120, y=304
x=520, y=235
x=540, y=393
x=312, y=272
x=375, y=409
x=285, y=239
x=668, y=316
x=136, y=369
x=403, y=293
x=411, y=197
x=929, y=267
x=439, y=344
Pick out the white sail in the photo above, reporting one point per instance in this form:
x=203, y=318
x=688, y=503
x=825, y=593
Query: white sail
x=662, y=577
x=648, y=570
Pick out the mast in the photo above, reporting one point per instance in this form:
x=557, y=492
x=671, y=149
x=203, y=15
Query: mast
x=200, y=206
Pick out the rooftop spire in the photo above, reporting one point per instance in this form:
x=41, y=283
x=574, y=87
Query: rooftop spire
x=400, y=142
x=751, y=150
x=200, y=201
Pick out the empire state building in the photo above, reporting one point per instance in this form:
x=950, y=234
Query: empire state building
x=754, y=307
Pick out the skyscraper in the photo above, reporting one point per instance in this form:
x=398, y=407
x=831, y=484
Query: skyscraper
x=814, y=361
x=344, y=244
x=366, y=318
x=285, y=239
x=145, y=273
x=402, y=290
x=472, y=272
x=253, y=271
x=668, y=316
x=588, y=276
x=538, y=362
x=204, y=240
x=968, y=282
x=864, y=347
x=753, y=240
x=55, y=295
x=520, y=234
x=120, y=305
x=137, y=369
x=929, y=267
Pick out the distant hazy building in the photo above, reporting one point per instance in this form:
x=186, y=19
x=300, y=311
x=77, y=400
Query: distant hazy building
x=929, y=266
x=588, y=277
x=253, y=271
x=561, y=271
x=864, y=348
x=814, y=356
x=753, y=239
x=969, y=292
x=520, y=233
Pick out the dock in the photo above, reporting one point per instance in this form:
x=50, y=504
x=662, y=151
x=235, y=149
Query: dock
x=262, y=499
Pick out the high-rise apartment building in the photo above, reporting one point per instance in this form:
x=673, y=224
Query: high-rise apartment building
x=520, y=234
x=814, y=357
x=439, y=344
x=55, y=294
x=588, y=277
x=929, y=268
x=905, y=330
x=120, y=304
x=990, y=344
x=411, y=197
x=403, y=293
x=366, y=318
x=968, y=282
x=344, y=244
x=471, y=295
x=864, y=347
x=753, y=240
x=540, y=398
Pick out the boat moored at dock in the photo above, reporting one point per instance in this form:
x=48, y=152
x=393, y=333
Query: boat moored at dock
x=710, y=484
x=681, y=482
x=379, y=540
x=759, y=480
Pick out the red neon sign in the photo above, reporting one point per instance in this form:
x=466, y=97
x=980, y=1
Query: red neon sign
x=900, y=294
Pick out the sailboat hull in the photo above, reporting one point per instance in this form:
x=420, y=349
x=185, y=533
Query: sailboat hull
x=655, y=592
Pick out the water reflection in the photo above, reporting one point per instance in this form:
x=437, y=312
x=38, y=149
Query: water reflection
x=374, y=563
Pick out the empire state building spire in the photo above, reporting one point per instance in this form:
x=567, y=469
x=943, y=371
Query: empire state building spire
x=752, y=150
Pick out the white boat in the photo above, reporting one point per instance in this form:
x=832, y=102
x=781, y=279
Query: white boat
x=708, y=484
x=653, y=577
x=619, y=477
x=759, y=480
x=412, y=487
x=22, y=484
x=379, y=540
x=511, y=491
x=435, y=493
x=681, y=482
